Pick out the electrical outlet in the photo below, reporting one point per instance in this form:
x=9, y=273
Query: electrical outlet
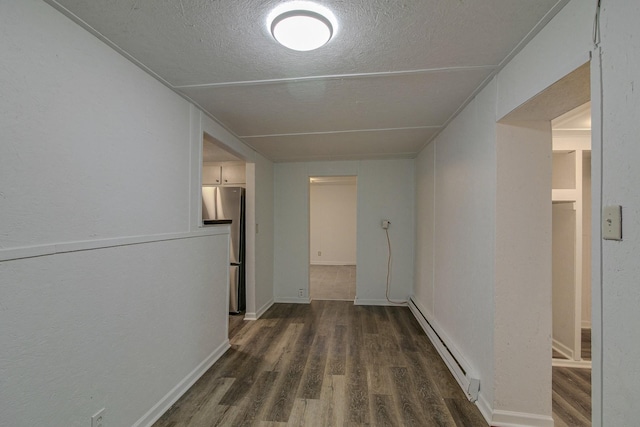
x=385, y=223
x=319, y=253
x=98, y=419
x=612, y=223
x=300, y=294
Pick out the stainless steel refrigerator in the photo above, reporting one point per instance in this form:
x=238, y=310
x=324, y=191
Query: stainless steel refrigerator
x=219, y=205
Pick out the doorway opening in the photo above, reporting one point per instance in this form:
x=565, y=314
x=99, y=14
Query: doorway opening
x=571, y=266
x=223, y=196
x=562, y=115
x=332, y=237
x=571, y=234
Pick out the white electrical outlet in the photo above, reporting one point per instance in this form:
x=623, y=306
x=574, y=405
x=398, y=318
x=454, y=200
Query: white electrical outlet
x=301, y=293
x=98, y=419
x=385, y=223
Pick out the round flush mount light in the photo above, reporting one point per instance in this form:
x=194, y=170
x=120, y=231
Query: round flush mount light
x=302, y=26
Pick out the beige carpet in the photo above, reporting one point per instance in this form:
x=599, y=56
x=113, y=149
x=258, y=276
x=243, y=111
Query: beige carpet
x=332, y=282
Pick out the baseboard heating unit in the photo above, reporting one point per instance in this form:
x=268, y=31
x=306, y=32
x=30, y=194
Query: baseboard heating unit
x=460, y=369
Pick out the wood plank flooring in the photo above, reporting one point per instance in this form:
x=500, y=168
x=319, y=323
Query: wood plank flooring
x=571, y=397
x=586, y=344
x=572, y=390
x=328, y=363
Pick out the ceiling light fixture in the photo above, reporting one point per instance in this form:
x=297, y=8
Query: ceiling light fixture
x=302, y=26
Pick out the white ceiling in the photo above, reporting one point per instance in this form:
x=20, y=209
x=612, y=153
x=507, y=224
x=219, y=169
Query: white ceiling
x=213, y=151
x=395, y=72
x=578, y=119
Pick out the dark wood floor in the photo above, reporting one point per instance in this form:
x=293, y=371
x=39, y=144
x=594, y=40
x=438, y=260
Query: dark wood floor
x=329, y=363
x=586, y=344
x=572, y=390
x=572, y=397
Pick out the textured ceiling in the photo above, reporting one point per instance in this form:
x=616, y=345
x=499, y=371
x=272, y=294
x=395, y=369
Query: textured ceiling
x=578, y=119
x=570, y=92
x=212, y=152
x=394, y=74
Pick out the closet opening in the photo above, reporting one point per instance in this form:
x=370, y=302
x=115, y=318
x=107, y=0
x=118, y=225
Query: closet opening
x=571, y=235
x=332, y=237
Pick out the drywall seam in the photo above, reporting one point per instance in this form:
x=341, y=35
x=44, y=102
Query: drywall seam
x=12, y=254
x=288, y=80
x=597, y=186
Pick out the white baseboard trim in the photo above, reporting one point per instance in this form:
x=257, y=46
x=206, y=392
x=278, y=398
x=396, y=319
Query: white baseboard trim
x=260, y=312
x=562, y=349
x=485, y=407
x=181, y=388
x=500, y=418
x=331, y=263
x=564, y=363
x=359, y=301
x=289, y=300
x=519, y=419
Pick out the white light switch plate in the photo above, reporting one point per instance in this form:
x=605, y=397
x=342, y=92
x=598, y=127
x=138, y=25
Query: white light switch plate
x=612, y=223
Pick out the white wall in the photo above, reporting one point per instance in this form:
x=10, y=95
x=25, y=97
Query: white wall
x=291, y=232
x=332, y=228
x=110, y=293
x=620, y=183
x=564, y=266
x=115, y=328
x=385, y=191
x=522, y=335
x=474, y=285
x=76, y=165
x=264, y=220
x=424, y=257
x=456, y=229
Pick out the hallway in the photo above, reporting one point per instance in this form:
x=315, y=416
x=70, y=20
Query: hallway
x=325, y=364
